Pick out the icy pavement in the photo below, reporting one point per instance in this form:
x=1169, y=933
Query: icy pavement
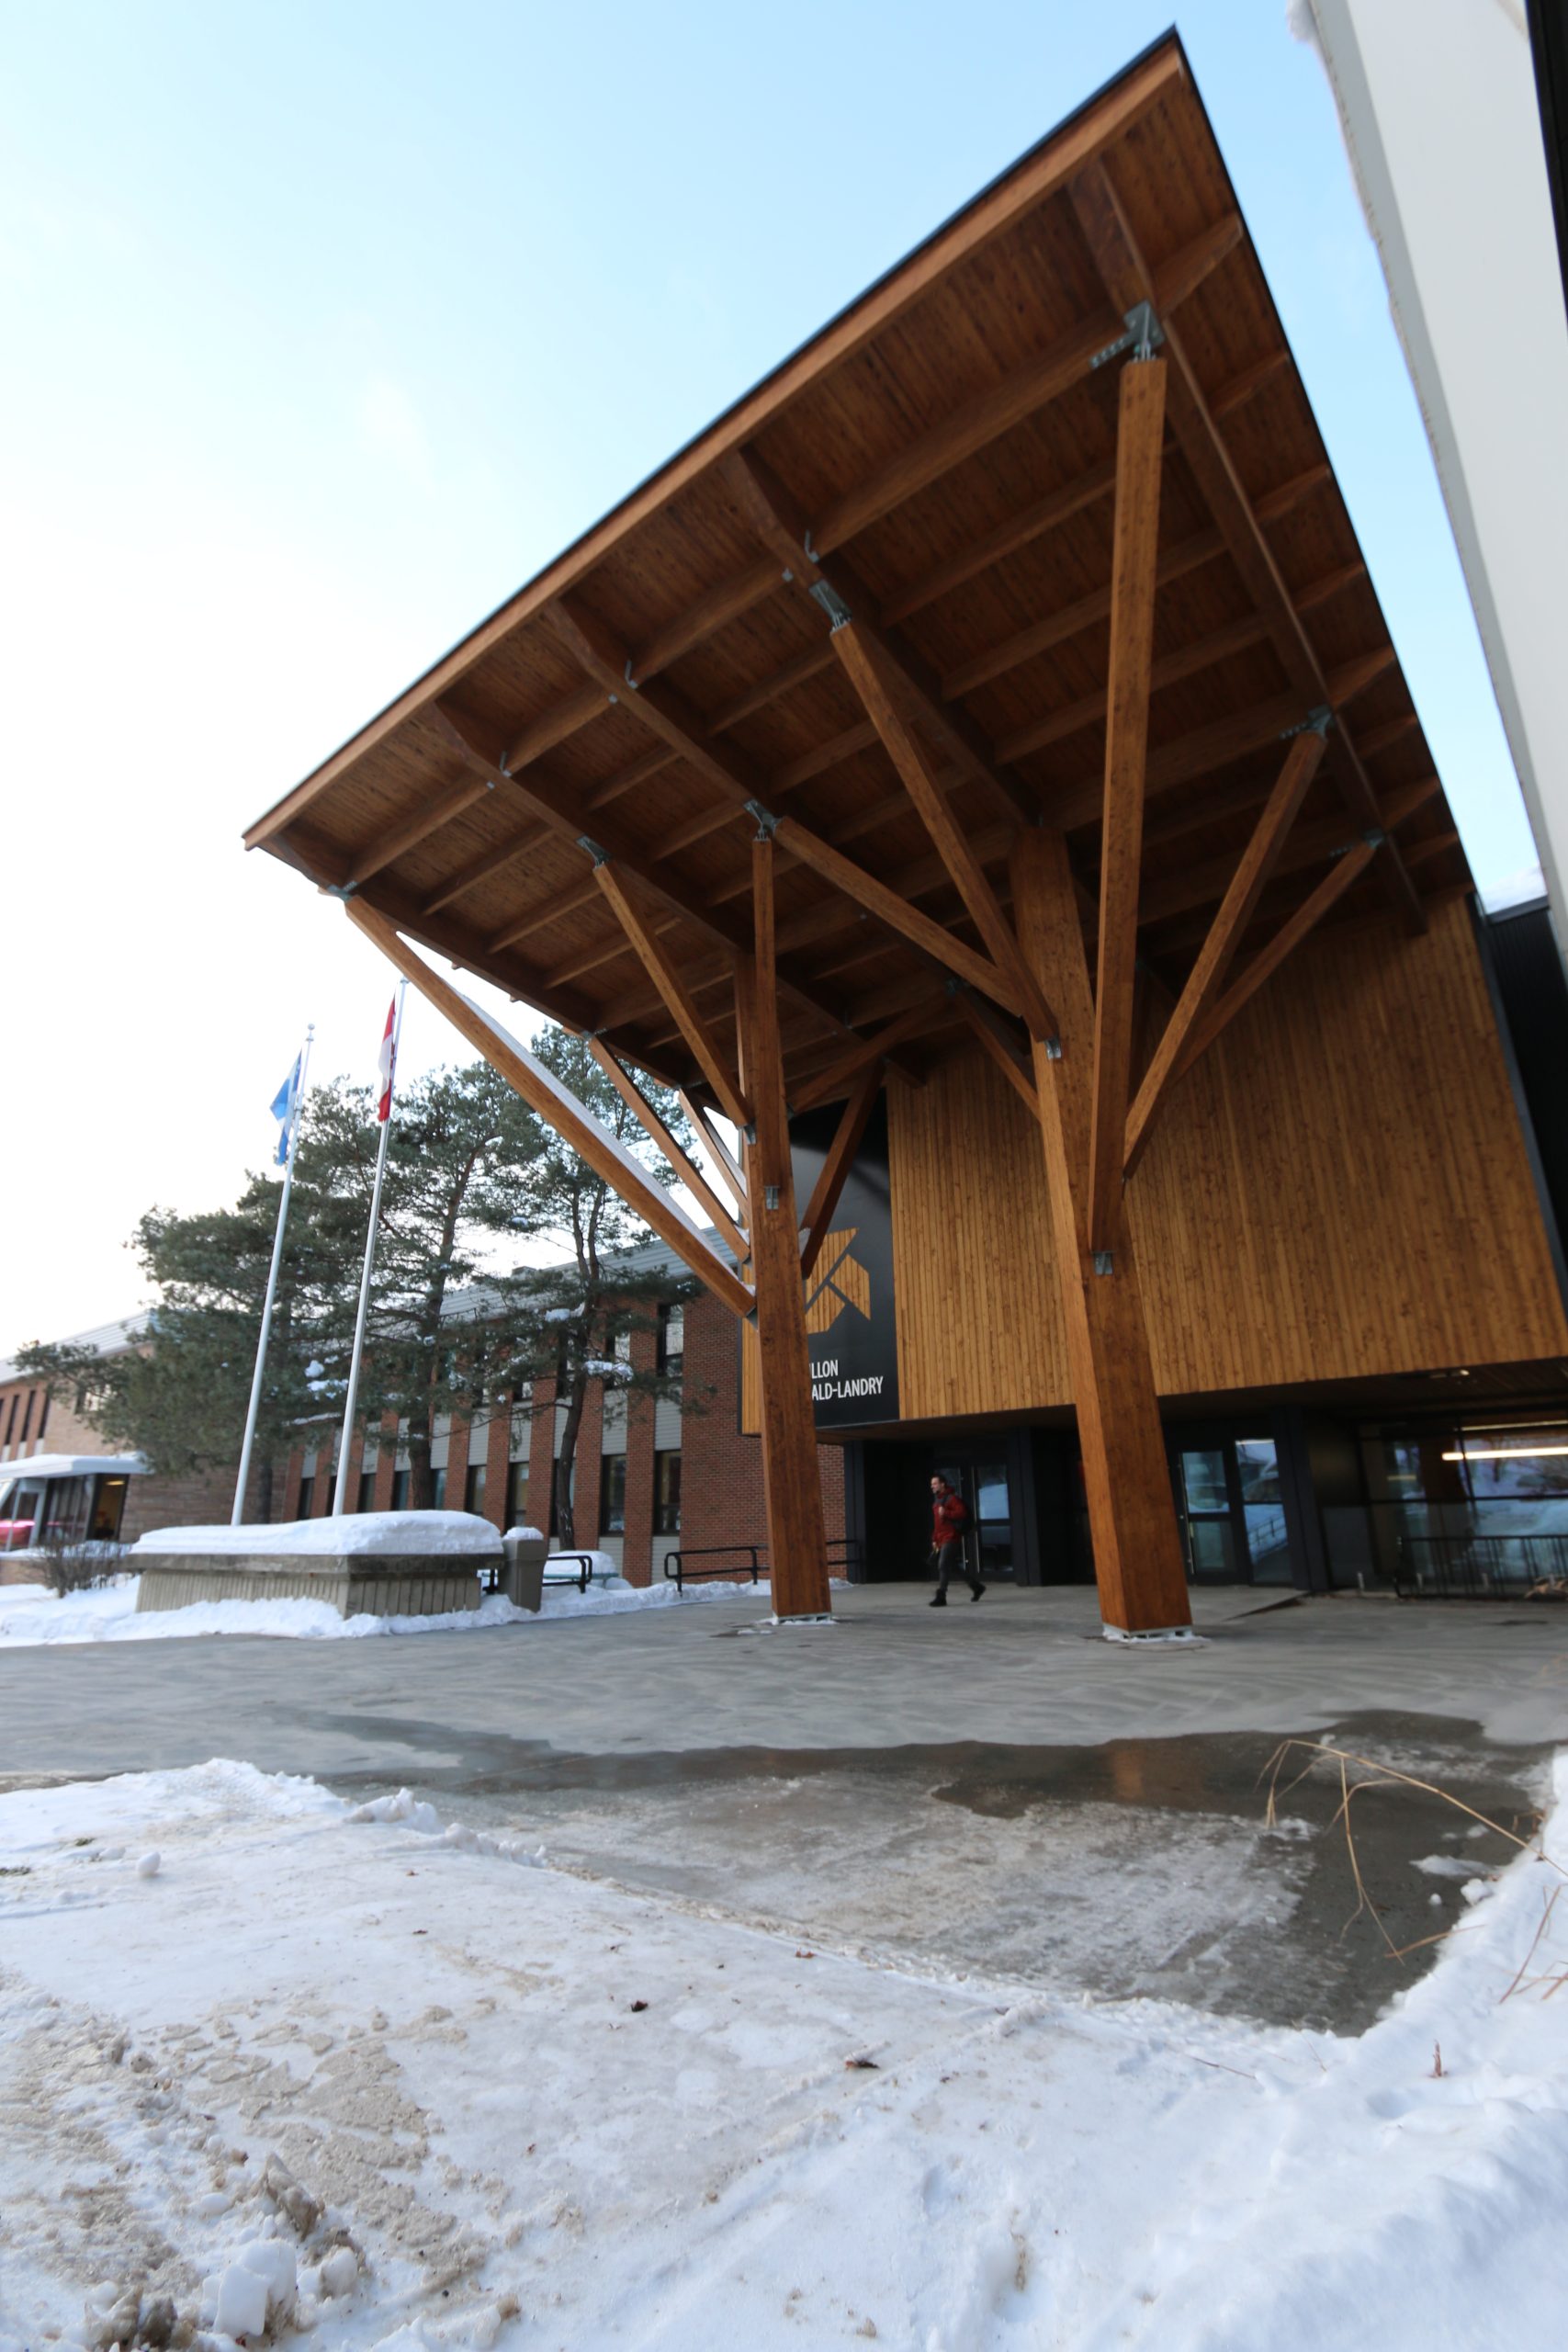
x=401, y=2085
x=32, y=1615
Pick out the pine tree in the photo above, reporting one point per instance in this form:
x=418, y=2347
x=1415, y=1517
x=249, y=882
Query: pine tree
x=469, y=1168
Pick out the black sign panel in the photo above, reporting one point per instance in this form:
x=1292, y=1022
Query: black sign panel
x=851, y=1314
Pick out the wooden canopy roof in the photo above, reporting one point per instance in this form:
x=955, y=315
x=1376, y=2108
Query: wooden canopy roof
x=565, y=804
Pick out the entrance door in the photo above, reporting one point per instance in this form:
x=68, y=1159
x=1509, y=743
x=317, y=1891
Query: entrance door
x=1228, y=1493
x=981, y=1479
x=1204, y=1492
x=989, y=1495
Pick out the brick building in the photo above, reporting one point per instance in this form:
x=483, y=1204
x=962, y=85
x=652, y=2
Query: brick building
x=38, y=1431
x=653, y=1475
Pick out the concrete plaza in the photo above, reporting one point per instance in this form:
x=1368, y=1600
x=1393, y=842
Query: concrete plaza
x=988, y=1791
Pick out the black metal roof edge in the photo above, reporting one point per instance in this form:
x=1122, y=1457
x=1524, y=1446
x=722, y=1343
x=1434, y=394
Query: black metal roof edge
x=1549, y=48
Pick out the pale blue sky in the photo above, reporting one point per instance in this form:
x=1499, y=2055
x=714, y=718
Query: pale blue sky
x=328, y=324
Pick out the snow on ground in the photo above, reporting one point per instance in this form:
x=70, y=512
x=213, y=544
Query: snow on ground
x=425, y=2098
x=32, y=1613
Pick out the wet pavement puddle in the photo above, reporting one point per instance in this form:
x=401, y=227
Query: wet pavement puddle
x=1137, y=1867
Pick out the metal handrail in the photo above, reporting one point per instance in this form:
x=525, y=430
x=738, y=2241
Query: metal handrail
x=677, y=1572
x=1482, y=1567
x=582, y=1576
x=751, y=1557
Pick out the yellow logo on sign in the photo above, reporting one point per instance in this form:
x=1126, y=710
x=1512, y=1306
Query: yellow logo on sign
x=841, y=1280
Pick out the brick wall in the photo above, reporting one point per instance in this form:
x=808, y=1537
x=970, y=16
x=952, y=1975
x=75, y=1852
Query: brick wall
x=721, y=1498
x=721, y=1472
x=160, y=1499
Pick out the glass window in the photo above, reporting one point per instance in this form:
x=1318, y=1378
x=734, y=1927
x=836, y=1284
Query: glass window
x=667, y=1494
x=517, y=1494
x=106, y=1510
x=1203, y=1478
x=613, y=1493
x=438, y=1490
x=28, y=1416
x=474, y=1489
x=991, y=1491
x=399, y=1490
x=672, y=1341
x=43, y=1416
x=15, y=1400
x=367, y=1491
x=306, y=1504
x=1511, y=1462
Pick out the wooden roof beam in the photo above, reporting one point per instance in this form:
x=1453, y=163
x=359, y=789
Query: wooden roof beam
x=778, y=519
x=1077, y=803
x=862, y=664
x=1180, y=892
x=1348, y=870
x=389, y=847
x=1085, y=611
x=669, y=715
x=1027, y=389
x=563, y=810
x=1008, y=1054
x=1236, y=912
x=559, y=1110
x=1139, y=444
x=828, y=1084
x=685, y=1169
x=1185, y=661
x=1129, y=281
x=699, y=1037
x=834, y=1173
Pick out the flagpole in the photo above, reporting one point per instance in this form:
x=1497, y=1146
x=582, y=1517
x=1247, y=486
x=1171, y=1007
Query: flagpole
x=238, y=1516
x=340, y=1487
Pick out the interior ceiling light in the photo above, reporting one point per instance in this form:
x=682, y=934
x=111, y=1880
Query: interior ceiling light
x=1504, y=1452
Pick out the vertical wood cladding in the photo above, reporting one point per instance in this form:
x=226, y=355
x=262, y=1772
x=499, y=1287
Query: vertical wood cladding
x=1340, y=1188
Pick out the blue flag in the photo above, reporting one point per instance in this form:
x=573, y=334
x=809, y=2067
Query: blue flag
x=283, y=1109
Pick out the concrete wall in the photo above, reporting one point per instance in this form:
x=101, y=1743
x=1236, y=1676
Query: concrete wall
x=1440, y=115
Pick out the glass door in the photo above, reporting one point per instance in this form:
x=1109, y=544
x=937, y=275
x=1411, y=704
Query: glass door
x=1228, y=1494
x=986, y=1492
x=1204, y=1492
x=1262, y=1511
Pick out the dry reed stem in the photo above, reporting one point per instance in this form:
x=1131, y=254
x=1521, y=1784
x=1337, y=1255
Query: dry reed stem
x=1316, y=1750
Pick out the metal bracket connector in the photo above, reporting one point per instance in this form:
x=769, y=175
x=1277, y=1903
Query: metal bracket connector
x=1104, y=1262
x=832, y=603
x=630, y=679
x=1317, y=722
x=1052, y=1049
x=343, y=891
x=600, y=856
x=1374, y=837
x=770, y=1195
x=1143, y=337
x=767, y=824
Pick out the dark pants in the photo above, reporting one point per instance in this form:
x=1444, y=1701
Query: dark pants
x=950, y=1563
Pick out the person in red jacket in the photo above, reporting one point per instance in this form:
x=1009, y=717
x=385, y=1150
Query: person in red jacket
x=950, y=1517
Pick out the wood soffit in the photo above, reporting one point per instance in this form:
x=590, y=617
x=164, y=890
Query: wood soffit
x=940, y=464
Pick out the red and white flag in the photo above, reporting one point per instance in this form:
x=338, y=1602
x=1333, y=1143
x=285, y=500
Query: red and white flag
x=383, y=1063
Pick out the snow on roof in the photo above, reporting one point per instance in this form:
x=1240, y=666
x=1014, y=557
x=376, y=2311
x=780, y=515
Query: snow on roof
x=72, y=1466
x=104, y=1339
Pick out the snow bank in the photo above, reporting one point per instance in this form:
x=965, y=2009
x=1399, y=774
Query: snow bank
x=385, y=1534
x=535, y=2096
x=30, y=1615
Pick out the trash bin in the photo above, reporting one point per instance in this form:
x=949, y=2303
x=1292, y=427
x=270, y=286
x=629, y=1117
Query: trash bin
x=523, y=1578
